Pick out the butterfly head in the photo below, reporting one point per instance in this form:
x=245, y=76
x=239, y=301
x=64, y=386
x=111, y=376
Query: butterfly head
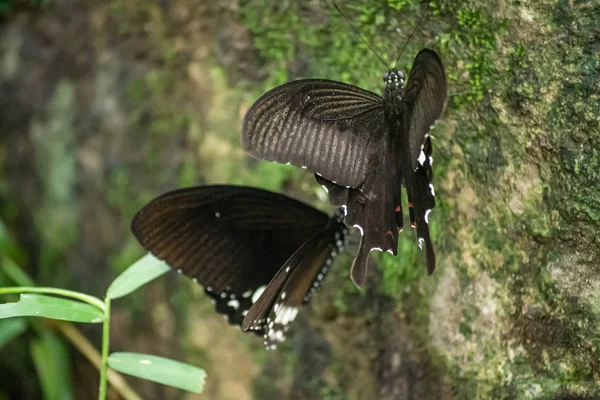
x=394, y=79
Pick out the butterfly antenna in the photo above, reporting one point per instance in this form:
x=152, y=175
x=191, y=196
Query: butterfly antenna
x=411, y=35
x=356, y=32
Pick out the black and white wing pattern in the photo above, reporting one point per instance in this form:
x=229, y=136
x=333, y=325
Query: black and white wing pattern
x=295, y=283
x=423, y=103
x=232, y=240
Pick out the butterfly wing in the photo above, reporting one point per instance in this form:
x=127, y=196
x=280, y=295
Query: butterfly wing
x=372, y=210
x=230, y=239
x=295, y=283
x=334, y=129
x=423, y=100
x=421, y=198
x=423, y=103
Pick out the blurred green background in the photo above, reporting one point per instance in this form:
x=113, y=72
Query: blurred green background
x=106, y=104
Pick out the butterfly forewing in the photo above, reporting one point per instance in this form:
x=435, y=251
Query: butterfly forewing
x=329, y=127
x=424, y=100
x=295, y=283
x=232, y=240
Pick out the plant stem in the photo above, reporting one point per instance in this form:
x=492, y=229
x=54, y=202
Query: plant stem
x=96, y=302
x=105, y=343
x=81, y=343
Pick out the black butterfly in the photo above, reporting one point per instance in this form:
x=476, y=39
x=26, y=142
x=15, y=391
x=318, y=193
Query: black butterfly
x=258, y=254
x=362, y=146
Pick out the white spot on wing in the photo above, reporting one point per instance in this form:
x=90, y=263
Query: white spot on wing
x=325, y=188
x=234, y=304
x=427, y=216
x=421, y=158
x=258, y=292
x=218, y=214
x=421, y=241
x=285, y=314
x=432, y=189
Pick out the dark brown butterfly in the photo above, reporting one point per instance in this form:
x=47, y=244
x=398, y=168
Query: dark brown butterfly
x=361, y=146
x=258, y=254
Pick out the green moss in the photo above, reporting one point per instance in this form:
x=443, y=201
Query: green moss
x=321, y=37
x=400, y=272
x=472, y=44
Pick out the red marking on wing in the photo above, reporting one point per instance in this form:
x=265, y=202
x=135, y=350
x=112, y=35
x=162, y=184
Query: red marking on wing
x=410, y=205
x=398, y=209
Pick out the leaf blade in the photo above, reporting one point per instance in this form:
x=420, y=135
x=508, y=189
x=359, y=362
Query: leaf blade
x=138, y=274
x=35, y=305
x=51, y=360
x=158, y=369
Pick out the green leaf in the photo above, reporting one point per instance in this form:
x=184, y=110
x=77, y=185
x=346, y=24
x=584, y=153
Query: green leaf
x=159, y=369
x=15, y=273
x=51, y=307
x=51, y=360
x=141, y=272
x=10, y=329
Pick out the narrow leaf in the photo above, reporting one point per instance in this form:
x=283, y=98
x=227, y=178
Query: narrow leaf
x=15, y=273
x=10, y=329
x=51, y=360
x=141, y=272
x=159, y=369
x=51, y=307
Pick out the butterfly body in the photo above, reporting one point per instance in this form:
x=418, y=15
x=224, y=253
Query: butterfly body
x=363, y=147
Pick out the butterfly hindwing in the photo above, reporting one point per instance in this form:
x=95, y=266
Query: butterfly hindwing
x=329, y=127
x=421, y=197
x=372, y=211
x=295, y=283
